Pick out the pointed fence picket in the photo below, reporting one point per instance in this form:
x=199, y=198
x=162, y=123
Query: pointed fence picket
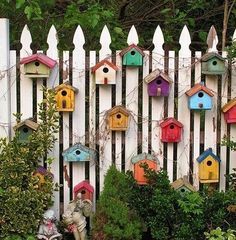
x=88, y=125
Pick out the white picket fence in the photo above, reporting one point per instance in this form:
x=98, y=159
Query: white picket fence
x=88, y=124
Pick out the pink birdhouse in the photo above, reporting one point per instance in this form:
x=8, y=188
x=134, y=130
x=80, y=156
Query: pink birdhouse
x=171, y=130
x=85, y=189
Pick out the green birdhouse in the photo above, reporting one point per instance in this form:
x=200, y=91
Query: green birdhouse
x=132, y=56
x=25, y=128
x=183, y=186
x=213, y=64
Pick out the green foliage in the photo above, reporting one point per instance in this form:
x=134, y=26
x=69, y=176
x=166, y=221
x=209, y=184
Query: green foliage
x=22, y=201
x=114, y=217
x=218, y=234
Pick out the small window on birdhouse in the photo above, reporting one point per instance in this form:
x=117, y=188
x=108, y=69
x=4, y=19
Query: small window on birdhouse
x=77, y=152
x=105, y=70
x=37, y=63
x=158, y=81
x=64, y=93
x=132, y=53
x=172, y=126
x=182, y=190
x=200, y=94
x=214, y=63
x=209, y=163
x=83, y=192
x=118, y=116
x=25, y=129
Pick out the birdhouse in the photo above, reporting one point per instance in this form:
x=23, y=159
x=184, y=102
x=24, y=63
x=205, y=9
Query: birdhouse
x=144, y=158
x=132, y=56
x=199, y=97
x=118, y=118
x=65, y=97
x=85, y=189
x=42, y=173
x=105, y=72
x=38, y=65
x=213, y=64
x=78, y=153
x=171, y=130
x=183, y=186
x=25, y=129
x=158, y=83
x=229, y=110
x=208, y=167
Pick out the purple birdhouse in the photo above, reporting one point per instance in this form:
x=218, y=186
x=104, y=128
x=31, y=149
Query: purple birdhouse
x=158, y=83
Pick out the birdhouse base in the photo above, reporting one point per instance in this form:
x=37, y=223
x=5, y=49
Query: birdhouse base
x=209, y=181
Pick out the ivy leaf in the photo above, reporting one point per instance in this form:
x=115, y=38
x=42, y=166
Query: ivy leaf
x=28, y=12
x=118, y=30
x=165, y=10
x=19, y=3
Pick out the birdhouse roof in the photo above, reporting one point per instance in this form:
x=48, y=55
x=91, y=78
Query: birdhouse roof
x=41, y=58
x=229, y=105
x=120, y=109
x=199, y=87
x=82, y=148
x=211, y=55
x=144, y=156
x=156, y=73
x=103, y=62
x=66, y=85
x=29, y=123
x=129, y=48
x=169, y=121
x=207, y=153
x=83, y=184
x=43, y=171
x=181, y=182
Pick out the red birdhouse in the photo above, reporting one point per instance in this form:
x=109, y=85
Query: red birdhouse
x=171, y=130
x=85, y=189
x=229, y=110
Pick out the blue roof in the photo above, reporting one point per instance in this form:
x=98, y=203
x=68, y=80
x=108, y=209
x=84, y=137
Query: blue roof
x=79, y=146
x=207, y=153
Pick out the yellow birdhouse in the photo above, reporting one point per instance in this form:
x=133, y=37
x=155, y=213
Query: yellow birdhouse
x=118, y=118
x=65, y=97
x=208, y=167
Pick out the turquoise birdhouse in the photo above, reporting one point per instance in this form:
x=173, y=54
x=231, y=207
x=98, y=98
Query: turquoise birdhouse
x=25, y=129
x=78, y=153
x=183, y=186
x=132, y=56
x=213, y=64
x=199, y=97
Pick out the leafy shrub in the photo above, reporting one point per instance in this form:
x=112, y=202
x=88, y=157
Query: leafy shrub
x=218, y=234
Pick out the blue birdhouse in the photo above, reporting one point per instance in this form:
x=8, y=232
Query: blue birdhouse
x=25, y=129
x=78, y=153
x=200, y=97
x=132, y=56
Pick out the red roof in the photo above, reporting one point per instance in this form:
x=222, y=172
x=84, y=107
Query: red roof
x=198, y=87
x=41, y=58
x=169, y=121
x=83, y=184
x=101, y=63
x=124, y=51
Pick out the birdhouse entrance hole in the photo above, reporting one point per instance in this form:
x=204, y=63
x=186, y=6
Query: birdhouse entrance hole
x=158, y=81
x=37, y=63
x=25, y=130
x=132, y=53
x=214, y=63
x=105, y=70
x=209, y=163
x=83, y=192
x=172, y=126
x=77, y=152
x=118, y=116
x=64, y=93
x=200, y=94
x=182, y=190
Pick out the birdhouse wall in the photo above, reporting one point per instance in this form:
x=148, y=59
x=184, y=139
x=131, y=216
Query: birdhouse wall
x=133, y=58
x=24, y=133
x=105, y=75
x=85, y=194
x=171, y=133
x=213, y=66
x=139, y=171
x=158, y=87
x=230, y=115
x=200, y=100
x=65, y=99
x=36, y=68
x=118, y=122
x=209, y=170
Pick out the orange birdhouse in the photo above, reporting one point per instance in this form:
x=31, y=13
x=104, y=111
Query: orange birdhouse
x=85, y=189
x=65, y=97
x=118, y=118
x=144, y=158
x=208, y=167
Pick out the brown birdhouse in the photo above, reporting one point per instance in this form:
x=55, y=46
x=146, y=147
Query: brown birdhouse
x=85, y=189
x=144, y=158
x=105, y=72
x=65, y=97
x=118, y=118
x=38, y=65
